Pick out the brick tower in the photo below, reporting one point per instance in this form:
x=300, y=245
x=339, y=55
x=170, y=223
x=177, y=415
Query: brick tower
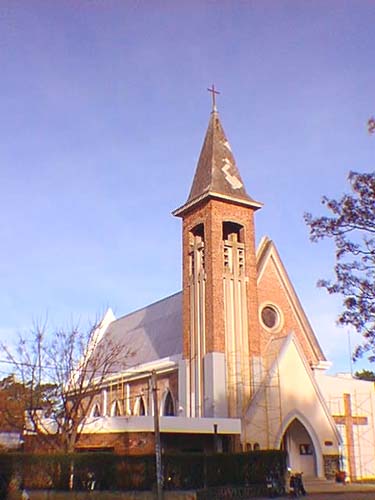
x=221, y=343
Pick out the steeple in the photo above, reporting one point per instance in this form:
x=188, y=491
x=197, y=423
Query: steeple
x=221, y=334
x=217, y=175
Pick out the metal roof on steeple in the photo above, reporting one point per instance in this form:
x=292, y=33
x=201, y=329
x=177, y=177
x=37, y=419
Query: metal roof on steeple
x=217, y=175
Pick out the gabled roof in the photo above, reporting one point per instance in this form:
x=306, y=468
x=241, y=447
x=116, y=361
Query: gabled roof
x=152, y=333
x=217, y=175
x=155, y=331
x=279, y=368
x=267, y=251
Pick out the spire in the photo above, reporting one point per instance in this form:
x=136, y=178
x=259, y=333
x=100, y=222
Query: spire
x=217, y=175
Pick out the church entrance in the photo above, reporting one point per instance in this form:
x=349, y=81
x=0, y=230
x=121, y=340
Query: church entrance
x=301, y=453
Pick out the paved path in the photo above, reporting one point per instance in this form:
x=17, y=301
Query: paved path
x=340, y=495
x=349, y=495
x=318, y=489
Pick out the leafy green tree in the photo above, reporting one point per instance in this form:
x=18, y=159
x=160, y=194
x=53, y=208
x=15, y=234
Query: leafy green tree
x=351, y=226
x=365, y=375
x=14, y=401
x=11, y=405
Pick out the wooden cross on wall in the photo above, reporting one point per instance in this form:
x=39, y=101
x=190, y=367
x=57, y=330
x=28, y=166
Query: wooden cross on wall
x=349, y=420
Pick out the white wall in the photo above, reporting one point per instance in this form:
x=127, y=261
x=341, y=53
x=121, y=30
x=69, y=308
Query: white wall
x=333, y=387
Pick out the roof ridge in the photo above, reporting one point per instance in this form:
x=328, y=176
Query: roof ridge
x=148, y=305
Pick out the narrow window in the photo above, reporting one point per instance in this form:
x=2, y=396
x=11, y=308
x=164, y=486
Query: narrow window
x=96, y=410
x=234, y=248
x=139, y=407
x=115, y=410
x=196, y=250
x=168, y=405
x=142, y=409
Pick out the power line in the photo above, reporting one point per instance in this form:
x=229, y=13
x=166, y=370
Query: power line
x=17, y=364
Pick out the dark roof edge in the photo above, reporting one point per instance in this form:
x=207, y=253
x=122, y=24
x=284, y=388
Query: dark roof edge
x=211, y=194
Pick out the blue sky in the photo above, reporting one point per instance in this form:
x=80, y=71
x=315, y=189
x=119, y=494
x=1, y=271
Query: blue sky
x=104, y=108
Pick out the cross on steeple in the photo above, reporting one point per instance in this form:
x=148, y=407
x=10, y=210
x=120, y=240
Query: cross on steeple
x=214, y=92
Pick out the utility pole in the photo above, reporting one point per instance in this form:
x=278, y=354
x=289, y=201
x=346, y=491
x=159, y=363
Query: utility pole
x=216, y=443
x=159, y=472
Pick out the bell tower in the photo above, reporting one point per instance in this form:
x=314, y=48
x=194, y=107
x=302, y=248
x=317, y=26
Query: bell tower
x=221, y=334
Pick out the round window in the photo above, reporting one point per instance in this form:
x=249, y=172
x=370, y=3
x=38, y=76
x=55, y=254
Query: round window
x=270, y=317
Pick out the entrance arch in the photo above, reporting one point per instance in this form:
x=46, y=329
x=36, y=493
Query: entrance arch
x=301, y=442
x=301, y=452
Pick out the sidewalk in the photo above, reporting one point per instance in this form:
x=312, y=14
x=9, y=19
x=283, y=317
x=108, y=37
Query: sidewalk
x=325, y=486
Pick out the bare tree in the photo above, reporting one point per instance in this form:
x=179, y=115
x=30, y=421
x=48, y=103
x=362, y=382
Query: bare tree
x=60, y=374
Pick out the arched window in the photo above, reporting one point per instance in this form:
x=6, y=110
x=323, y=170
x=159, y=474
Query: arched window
x=115, y=409
x=139, y=407
x=196, y=250
x=233, y=231
x=234, y=249
x=198, y=231
x=95, y=412
x=168, y=409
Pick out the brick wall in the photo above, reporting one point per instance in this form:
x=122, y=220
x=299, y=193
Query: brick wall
x=129, y=443
x=212, y=214
x=272, y=290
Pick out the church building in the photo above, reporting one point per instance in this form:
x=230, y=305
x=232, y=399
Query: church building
x=238, y=364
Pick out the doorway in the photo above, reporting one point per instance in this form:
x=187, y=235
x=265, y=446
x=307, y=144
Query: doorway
x=300, y=448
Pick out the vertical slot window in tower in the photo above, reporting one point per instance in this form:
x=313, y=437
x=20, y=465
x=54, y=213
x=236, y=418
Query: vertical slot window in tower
x=227, y=259
x=241, y=260
x=234, y=254
x=196, y=250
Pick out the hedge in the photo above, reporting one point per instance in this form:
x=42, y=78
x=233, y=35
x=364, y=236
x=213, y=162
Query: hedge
x=119, y=472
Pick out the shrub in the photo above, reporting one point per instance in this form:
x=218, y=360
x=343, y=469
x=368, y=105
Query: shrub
x=120, y=472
